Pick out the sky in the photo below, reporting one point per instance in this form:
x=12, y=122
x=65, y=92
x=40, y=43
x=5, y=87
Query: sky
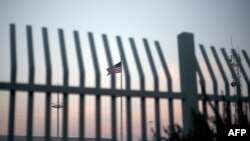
x=212, y=22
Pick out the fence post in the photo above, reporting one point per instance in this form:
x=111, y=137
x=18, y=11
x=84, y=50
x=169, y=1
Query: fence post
x=188, y=69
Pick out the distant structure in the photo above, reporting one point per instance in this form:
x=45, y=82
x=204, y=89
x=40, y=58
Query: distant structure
x=57, y=105
x=235, y=60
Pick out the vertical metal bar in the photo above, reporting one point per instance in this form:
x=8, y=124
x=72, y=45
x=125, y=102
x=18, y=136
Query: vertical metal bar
x=113, y=98
x=124, y=61
x=47, y=55
x=12, y=102
x=203, y=89
x=82, y=118
x=211, y=72
x=97, y=72
x=81, y=83
x=109, y=58
x=169, y=83
x=129, y=119
x=113, y=117
x=227, y=89
x=138, y=64
x=31, y=81
x=188, y=68
x=164, y=65
x=142, y=88
x=171, y=114
x=156, y=89
x=128, y=99
x=95, y=59
x=30, y=55
x=58, y=116
x=65, y=83
x=144, y=119
x=239, y=103
x=246, y=57
x=48, y=82
x=121, y=111
x=152, y=65
x=98, y=118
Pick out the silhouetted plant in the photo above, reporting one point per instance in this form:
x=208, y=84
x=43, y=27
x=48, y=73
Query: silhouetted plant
x=203, y=131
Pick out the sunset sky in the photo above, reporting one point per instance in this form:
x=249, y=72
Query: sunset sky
x=212, y=22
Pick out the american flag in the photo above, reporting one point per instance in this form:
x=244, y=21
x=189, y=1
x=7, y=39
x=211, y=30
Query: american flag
x=117, y=68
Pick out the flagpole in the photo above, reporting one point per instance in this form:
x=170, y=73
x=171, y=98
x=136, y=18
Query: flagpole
x=121, y=105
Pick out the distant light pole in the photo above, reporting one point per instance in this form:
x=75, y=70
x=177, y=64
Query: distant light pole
x=151, y=129
x=57, y=105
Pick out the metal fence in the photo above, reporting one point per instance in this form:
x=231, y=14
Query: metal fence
x=188, y=95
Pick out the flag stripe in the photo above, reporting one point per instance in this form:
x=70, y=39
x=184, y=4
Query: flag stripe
x=117, y=68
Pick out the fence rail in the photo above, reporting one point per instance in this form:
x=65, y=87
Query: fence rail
x=189, y=96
